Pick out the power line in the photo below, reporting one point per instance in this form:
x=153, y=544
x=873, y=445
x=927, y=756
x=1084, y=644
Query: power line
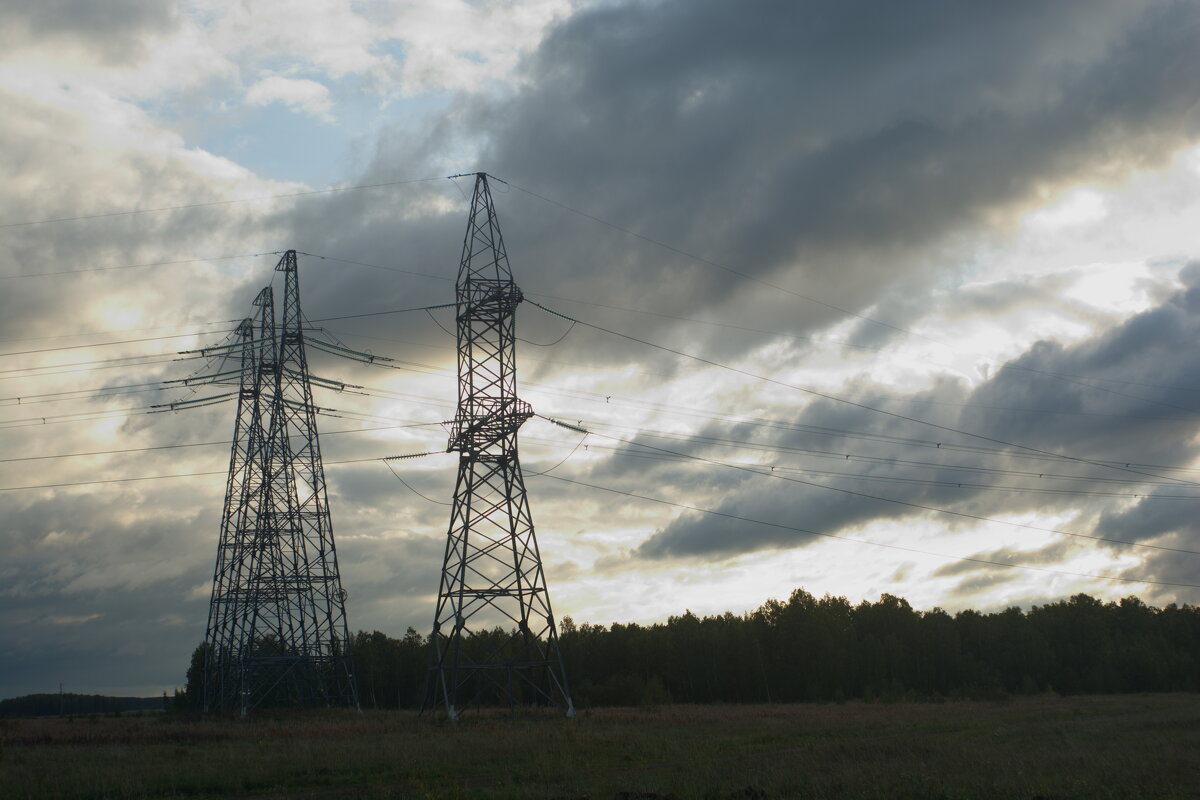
x=1074, y=379
x=886, y=461
x=109, y=333
x=853, y=403
x=383, y=313
x=107, y=344
x=808, y=532
x=775, y=470
x=37, y=372
x=761, y=422
x=409, y=486
x=130, y=266
x=202, y=444
x=695, y=321
x=769, y=423
x=376, y=266
x=102, y=481
x=87, y=394
x=211, y=203
x=93, y=416
x=825, y=431
x=867, y=495
x=711, y=263
x=776, y=287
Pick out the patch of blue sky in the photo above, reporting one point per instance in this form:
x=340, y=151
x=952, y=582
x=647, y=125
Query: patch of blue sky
x=289, y=143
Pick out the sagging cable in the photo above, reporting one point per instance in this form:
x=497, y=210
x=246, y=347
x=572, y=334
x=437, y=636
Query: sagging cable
x=562, y=424
x=185, y=405
x=345, y=352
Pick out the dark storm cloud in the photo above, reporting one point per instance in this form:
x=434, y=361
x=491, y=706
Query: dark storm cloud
x=1150, y=518
x=392, y=581
x=836, y=149
x=114, y=30
x=1143, y=373
x=1133, y=409
x=1169, y=568
x=1049, y=554
x=824, y=145
x=87, y=575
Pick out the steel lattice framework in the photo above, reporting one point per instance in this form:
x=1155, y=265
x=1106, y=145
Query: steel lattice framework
x=277, y=631
x=494, y=638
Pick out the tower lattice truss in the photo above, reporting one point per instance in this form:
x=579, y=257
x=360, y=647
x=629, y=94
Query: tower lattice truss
x=277, y=632
x=494, y=638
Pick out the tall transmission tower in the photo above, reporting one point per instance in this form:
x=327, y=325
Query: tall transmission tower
x=277, y=625
x=494, y=638
x=230, y=611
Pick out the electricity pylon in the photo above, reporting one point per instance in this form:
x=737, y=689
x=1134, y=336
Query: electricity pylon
x=230, y=610
x=494, y=638
x=277, y=624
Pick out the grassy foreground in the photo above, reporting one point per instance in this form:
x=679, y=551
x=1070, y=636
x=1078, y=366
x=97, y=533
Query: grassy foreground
x=1127, y=746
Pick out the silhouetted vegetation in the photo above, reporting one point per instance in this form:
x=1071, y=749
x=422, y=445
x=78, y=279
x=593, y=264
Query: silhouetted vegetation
x=826, y=649
x=47, y=705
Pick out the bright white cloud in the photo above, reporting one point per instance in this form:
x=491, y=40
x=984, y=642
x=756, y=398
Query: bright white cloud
x=455, y=44
x=296, y=93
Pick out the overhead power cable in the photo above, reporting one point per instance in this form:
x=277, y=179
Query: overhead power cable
x=767, y=472
x=676, y=410
x=211, y=203
x=225, y=322
x=868, y=542
x=225, y=442
x=383, y=313
x=793, y=293
x=116, y=413
x=779, y=470
x=725, y=268
x=195, y=402
x=132, y=266
x=119, y=362
x=564, y=460
x=1073, y=379
x=138, y=478
x=98, y=393
x=885, y=461
x=855, y=404
x=109, y=344
x=387, y=463
x=377, y=266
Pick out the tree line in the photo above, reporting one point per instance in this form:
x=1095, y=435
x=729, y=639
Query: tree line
x=807, y=649
x=49, y=705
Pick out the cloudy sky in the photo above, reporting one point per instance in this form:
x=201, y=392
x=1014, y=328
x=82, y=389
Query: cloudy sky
x=872, y=297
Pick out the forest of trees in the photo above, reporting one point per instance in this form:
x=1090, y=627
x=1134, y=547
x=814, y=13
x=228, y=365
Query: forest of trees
x=826, y=649
x=49, y=705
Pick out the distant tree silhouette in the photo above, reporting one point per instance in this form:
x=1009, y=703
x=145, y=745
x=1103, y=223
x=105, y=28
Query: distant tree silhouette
x=807, y=649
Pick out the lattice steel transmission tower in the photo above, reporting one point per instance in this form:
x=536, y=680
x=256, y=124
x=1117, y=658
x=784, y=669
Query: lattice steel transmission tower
x=231, y=615
x=494, y=638
x=277, y=631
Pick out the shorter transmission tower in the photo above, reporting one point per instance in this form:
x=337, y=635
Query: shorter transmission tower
x=277, y=631
x=494, y=639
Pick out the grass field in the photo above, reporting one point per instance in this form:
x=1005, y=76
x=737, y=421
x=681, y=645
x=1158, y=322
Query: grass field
x=1128, y=746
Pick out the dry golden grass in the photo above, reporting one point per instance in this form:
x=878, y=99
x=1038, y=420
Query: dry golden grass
x=1130, y=746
